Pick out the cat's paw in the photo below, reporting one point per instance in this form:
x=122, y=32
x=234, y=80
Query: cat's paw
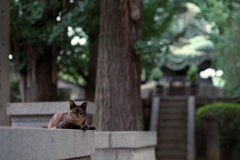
x=85, y=128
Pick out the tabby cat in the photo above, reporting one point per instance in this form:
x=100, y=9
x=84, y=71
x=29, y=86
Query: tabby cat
x=75, y=118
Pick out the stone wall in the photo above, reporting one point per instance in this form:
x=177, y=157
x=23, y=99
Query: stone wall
x=135, y=145
x=32, y=142
x=45, y=144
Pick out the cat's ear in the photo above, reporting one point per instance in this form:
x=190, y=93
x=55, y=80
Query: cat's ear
x=84, y=105
x=72, y=105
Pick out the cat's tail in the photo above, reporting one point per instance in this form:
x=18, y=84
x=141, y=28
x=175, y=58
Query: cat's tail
x=91, y=128
x=44, y=126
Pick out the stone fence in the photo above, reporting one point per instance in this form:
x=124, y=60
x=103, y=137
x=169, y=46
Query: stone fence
x=45, y=144
x=38, y=113
x=24, y=143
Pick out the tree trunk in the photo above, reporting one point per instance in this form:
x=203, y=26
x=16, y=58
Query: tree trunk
x=117, y=97
x=91, y=78
x=39, y=83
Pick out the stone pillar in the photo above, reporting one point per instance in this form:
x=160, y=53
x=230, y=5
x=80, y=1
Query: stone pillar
x=212, y=135
x=4, y=61
x=154, y=113
x=191, y=128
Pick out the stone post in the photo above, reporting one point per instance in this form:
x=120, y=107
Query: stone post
x=154, y=113
x=4, y=61
x=191, y=128
x=212, y=135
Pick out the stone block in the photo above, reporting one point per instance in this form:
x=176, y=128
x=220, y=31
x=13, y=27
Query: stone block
x=102, y=139
x=45, y=144
x=30, y=121
x=39, y=113
x=135, y=139
x=132, y=145
x=43, y=108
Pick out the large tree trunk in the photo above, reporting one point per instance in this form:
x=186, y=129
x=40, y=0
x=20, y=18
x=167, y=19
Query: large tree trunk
x=91, y=78
x=117, y=97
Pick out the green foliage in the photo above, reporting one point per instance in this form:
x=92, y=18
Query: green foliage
x=229, y=129
x=42, y=30
x=192, y=73
x=151, y=53
x=29, y=24
x=156, y=74
x=83, y=21
x=229, y=57
x=236, y=93
x=35, y=24
x=14, y=89
x=223, y=16
x=157, y=17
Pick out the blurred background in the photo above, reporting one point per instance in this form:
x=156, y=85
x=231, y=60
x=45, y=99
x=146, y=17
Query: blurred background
x=187, y=48
x=67, y=33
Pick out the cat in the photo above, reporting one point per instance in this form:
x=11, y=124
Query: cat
x=75, y=118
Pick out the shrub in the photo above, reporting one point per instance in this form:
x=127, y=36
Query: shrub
x=156, y=74
x=229, y=119
x=192, y=73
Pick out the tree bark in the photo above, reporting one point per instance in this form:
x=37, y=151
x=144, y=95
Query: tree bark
x=41, y=84
x=117, y=97
x=92, y=66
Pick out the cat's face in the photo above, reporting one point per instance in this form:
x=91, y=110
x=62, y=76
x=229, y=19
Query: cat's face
x=77, y=112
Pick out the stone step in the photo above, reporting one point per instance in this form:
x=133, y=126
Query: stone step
x=172, y=134
x=173, y=104
x=172, y=130
x=172, y=147
x=174, y=98
x=171, y=159
x=173, y=119
x=172, y=124
x=170, y=127
x=162, y=135
x=172, y=138
x=172, y=141
x=173, y=110
x=173, y=116
x=171, y=155
x=178, y=117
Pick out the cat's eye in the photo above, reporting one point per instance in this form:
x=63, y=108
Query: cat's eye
x=81, y=111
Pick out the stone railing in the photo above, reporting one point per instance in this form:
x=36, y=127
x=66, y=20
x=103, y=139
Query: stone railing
x=135, y=145
x=38, y=113
x=45, y=144
x=40, y=144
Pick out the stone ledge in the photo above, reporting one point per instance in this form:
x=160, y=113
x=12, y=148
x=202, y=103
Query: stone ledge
x=131, y=139
x=102, y=139
x=136, y=139
x=45, y=144
x=43, y=108
x=131, y=145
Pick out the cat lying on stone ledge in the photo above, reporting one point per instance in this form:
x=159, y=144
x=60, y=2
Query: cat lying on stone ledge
x=75, y=118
